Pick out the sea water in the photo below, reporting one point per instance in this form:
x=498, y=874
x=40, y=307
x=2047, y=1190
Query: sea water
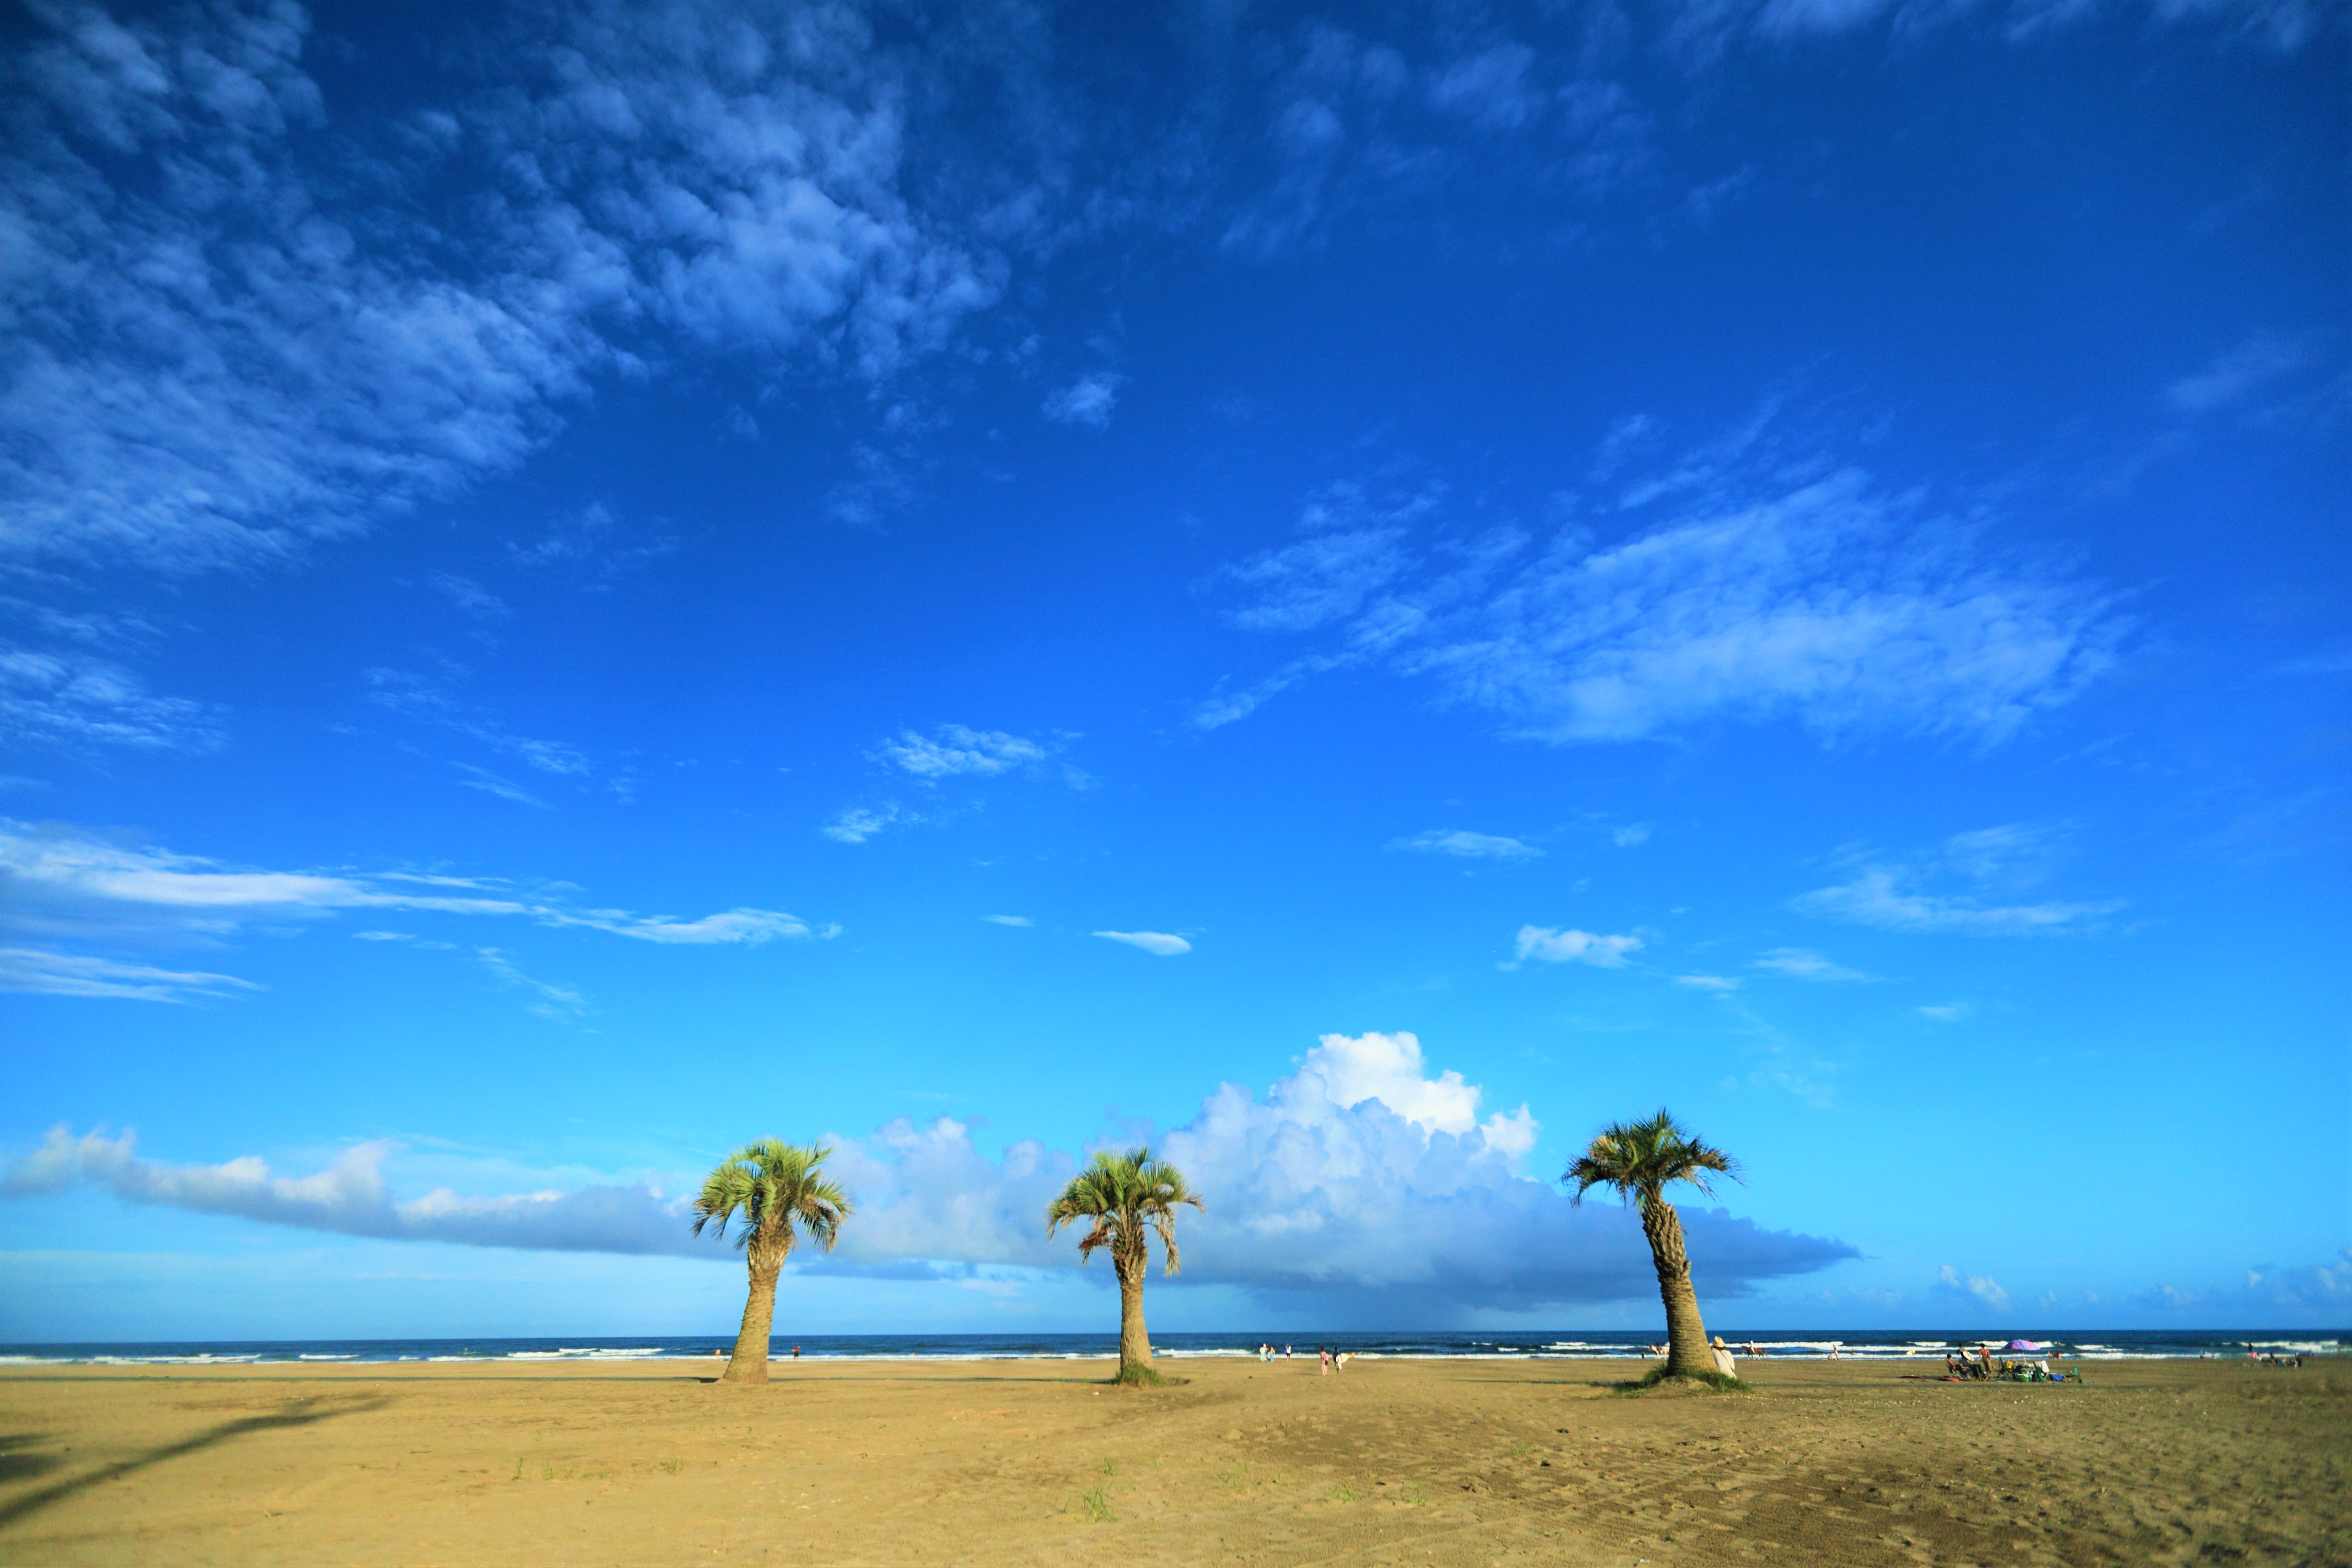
x=1778, y=1344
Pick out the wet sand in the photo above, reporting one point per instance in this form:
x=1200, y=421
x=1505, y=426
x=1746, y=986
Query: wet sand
x=1393, y=1462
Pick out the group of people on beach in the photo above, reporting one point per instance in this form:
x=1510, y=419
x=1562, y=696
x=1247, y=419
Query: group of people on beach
x=1958, y=1366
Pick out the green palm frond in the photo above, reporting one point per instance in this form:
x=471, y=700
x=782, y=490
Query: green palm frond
x=1124, y=1198
x=1639, y=1159
x=769, y=1188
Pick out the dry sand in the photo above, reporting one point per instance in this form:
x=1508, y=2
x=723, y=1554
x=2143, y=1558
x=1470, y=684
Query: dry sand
x=1407, y=1462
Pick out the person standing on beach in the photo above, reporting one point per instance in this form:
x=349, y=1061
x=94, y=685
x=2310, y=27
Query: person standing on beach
x=1325, y=1355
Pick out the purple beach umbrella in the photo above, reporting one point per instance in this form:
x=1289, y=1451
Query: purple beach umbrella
x=2021, y=1345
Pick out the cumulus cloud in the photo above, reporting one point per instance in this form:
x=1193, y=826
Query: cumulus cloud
x=1158, y=943
x=1740, y=594
x=1546, y=945
x=1087, y=401
x=1360, y=1173
x=1468, y=846
x=1980, y=1288
x=954, y=750
x=60, y=882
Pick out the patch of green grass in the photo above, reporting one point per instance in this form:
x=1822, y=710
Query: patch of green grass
x=1343, y=1493
x=1141, y=1376
x=1108, y=1466
x=1411, y=1497
x=1715, y=1379
x=1097, y=1506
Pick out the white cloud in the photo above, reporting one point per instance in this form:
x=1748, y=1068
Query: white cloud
x=233, y=332
x=1318, y=581
x=430, y=701
x=1468, y=846
x=1087, y=401
x=1360, y=1171
x=351, y=1196
x=1629, y=837
x=1826, y=601
x=1717, y=984
x=73, y=700
x=1546, y=945
x=1158, y=943
x=1490, y=89
x=1945, y=1012
x=856, y=824
x=1883, y=896
x=61, y=882
x=1008, y=919
x=25, y=969
x=470, y=597
x=1804, y=963
x=563, y=1003
x=1979, y=1287
x=2243, y=369
x=954, y=750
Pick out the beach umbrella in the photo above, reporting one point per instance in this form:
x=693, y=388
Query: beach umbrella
x=2021, y=1345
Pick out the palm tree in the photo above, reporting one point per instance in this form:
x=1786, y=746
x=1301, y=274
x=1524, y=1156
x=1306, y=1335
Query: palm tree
x=773, y=1186
x=1126, y=1197
x=1639, y=1159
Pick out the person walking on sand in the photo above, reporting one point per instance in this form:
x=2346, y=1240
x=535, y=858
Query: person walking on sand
x=1325, y=1356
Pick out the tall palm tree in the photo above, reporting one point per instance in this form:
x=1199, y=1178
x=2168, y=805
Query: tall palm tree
x=773, y=1186
x=1640, y=1159
x=1124, y=1198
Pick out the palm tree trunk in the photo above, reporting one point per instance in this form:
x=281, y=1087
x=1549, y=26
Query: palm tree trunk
x=750, y=1361
x=1134, y=1343
x=1686, y=1347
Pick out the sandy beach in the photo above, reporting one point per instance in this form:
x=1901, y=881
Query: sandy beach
x=1405, y=1462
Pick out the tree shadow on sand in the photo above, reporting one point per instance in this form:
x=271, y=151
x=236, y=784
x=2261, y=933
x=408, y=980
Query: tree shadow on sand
x=17, y=1465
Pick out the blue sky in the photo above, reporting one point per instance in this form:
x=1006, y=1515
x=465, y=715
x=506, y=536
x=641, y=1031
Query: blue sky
x=1356, y=592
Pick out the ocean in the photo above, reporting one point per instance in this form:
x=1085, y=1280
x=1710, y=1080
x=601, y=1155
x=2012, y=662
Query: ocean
x=1778, y=1344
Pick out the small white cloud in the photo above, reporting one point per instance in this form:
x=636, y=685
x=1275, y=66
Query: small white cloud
x=1157, y=943
x=1804, y=963
x=856, y=824
x=561, y=1003
x=1718, y=983
x=60, y=881
x=1947, y=1012
x=27, y=969
x=1468, y=846
x=954, y=749
x=1883, y=896
x=1546, y=945
x=1086, y=401
x=71, y=701
x=470, y=597
x=1008, y=919
x=1984, y=1288
x=1629, y=837
x=2236, y=373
